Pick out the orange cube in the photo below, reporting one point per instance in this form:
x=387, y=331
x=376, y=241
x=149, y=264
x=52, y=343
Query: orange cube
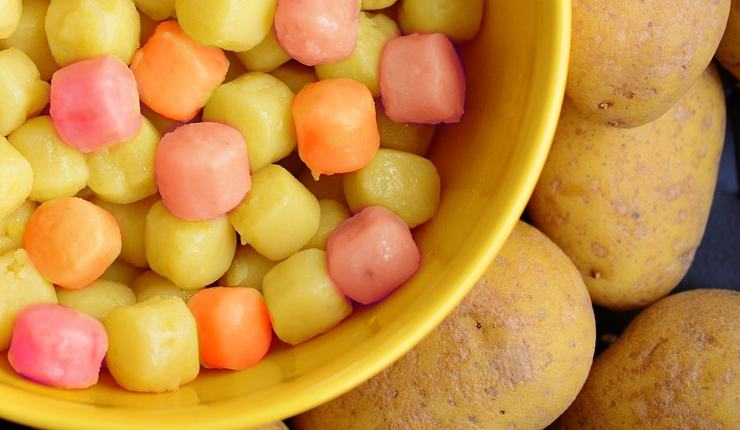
x=175, y=74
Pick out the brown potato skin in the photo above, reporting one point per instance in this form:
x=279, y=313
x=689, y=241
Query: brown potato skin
x=728, y=52
x=632, y=60
x=677, y=366
x=514, y=354
x=629, y=206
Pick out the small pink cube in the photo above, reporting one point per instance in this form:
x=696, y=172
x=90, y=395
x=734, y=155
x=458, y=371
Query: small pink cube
x=95, y=103
x=371, y=254
x=317, y=31
x=58, y=346
x=422, y=80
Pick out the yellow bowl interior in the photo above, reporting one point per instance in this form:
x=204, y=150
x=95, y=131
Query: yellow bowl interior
x=489, y=164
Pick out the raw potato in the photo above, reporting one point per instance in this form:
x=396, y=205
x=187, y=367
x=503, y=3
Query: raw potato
x=78, y=29
x=632, y=61
x=13, y=225
x=265, y=57
x=405, y=183
x=278, y=216
x=153, y=345
x=414, y=138
x=192, y=254
x=16, y=178
x=675, y=366
x=231, y=25
x=377, y=4
x=131, y=218
x=629, y=206
x=20, y=286
x=58, y=169
x=364, y=63
x=30, y=37
x=98, y=299
x=22, y=92
x=149, y=285
x=157, y=10
x=124, y=173
x=326, y=187
x=332, y=214
x=295, y=75
x=728, y=52
x=258, y=105
x=121, y=272
x=10, y=16
x=458, y=20
x=247, y=270
x=514, y=354
x=302, y=299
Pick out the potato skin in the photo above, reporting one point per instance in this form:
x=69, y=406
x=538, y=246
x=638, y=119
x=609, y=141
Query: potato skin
x=675, y=366
x=514, y=354
x=728, y=52
x=631, y=61
x=629, y=206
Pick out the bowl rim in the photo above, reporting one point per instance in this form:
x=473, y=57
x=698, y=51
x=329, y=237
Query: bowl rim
x=36, y=410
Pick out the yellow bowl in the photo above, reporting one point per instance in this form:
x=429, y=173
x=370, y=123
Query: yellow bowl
x=489, y=164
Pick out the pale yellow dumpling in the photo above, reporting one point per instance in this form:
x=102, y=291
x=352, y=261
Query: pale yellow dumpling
x=332, y=214
x=278, y=216
x=460, y=20
x=266, y=56
x=13, y=225
x=131, y=219
x=259, y=106
x=152, y=345
x=295, y=75
x=58, y=169
x=78, y=29
x=228, y=24
x=377, y=4
x=124, y=173
x=247, y=269
x=121, y=272
x=16, y=178
x=364, y=64
x=10, y=15
x=192, y=254
x=149, y=285
x=403, y=182
x=302, y=299
x=20, y=286
x=98, y=299
x=22, y=92
x=414, y=138
x=158, y=10
x=30, y=37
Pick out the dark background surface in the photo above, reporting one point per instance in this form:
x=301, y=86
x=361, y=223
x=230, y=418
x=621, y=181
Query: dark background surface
x=717, y=261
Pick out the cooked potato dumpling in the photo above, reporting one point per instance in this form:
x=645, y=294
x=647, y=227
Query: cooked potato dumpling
x=121, y=272
x=258, y=105
x=266, y=56
x=20, y=286
x=405, y=183
x=192, y=254
x=153, y=345
x=377, y=4
x=231, y=25
x=295, y=75
x=158, y=10
x=30, y=37
x=414, y=138
x=124, y=172
x=22, y=91
x=149, y=285
x=10, y=16
x=58, y=169
x=16, y=178
x=13, y=225
x=278, y=216
x=301, y=297
x=98, y=299
x=332, y=214
x=364, y=63
x=247, y=269
x=131, y=218
x=78, y=29
x=459, y=20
